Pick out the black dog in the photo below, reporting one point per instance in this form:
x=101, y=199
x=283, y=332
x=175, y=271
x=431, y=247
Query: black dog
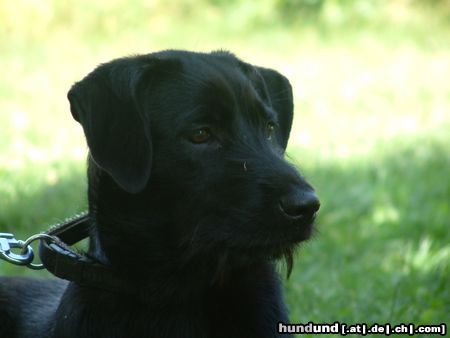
x=191, y=201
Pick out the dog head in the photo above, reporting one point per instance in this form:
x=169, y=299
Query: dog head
x=187, y=156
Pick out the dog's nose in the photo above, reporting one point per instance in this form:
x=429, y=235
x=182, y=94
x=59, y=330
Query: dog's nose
x=300, y=204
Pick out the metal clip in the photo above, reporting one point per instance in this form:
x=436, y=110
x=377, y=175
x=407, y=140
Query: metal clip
x=7, y=243
x=26, y=256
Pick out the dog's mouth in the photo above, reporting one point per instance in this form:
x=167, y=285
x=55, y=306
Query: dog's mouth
x=272, y=252
x=260, y=242
x=281, y=245
x=292, y=233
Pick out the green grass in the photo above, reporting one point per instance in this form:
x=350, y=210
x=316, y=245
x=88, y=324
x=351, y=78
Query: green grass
x=372, y=90
x=382, y=250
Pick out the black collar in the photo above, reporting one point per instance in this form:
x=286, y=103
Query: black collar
x=64, y=262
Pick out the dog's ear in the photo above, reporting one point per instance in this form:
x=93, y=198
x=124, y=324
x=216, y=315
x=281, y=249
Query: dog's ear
x=280, y=95
x=117, y=132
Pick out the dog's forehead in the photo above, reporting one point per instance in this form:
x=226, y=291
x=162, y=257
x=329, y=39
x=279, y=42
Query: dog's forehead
x=215, y=88
x=223, y=85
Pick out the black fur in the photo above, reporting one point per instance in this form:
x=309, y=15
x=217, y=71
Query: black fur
x=197, y=221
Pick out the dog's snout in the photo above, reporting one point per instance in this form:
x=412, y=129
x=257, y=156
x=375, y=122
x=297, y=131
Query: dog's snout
x=299, y=204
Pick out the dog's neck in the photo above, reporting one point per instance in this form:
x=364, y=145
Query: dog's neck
x=116, y=240
x=168, y=306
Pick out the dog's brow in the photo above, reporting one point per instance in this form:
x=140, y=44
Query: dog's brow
x=256, y=105
x=195, y=112
x=217, y=97
x=222, y=93
x=201, y=114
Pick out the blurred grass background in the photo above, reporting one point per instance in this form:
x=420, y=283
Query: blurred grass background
x=372, y=130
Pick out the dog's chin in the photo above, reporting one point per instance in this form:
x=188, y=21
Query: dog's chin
x=290, y=235
x=281, y=246
x=276, y=243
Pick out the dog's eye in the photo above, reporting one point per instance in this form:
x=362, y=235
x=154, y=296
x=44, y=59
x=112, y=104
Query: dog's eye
x=200, y=136
x=270, y=128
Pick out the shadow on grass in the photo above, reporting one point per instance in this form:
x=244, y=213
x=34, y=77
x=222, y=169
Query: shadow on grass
x=382, y=253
